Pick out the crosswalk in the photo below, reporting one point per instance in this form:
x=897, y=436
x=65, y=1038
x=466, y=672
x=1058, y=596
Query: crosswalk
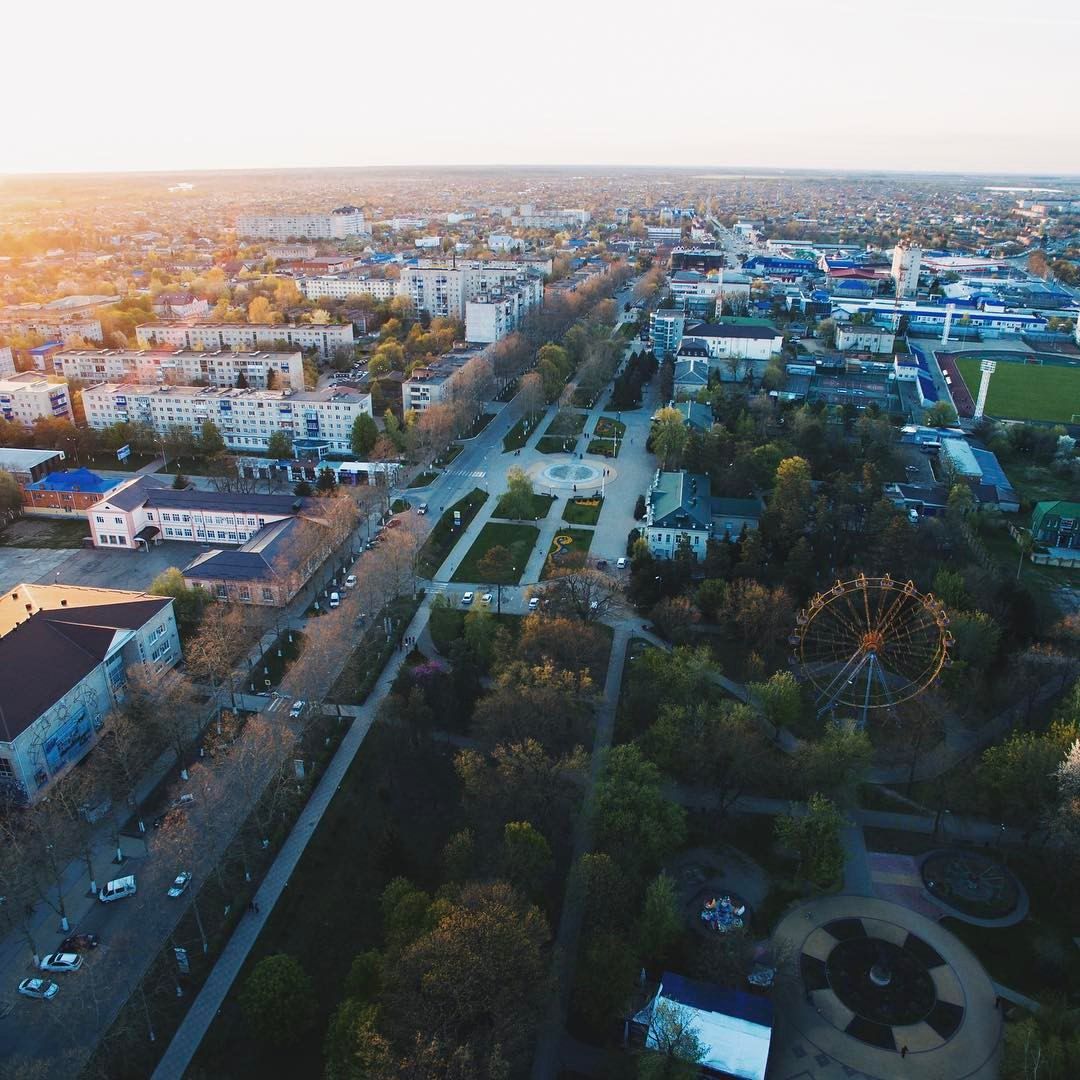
x=474, y=474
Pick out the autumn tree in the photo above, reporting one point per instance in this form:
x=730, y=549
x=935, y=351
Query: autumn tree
x=517, y=503
x=792, y=494
x=669, y=437
x=278, y=1000
x=580, y=592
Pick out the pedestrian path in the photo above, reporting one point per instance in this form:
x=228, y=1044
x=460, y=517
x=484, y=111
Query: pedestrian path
x=206, y=1005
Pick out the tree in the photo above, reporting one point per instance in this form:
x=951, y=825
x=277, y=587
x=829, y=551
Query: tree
x=635, y=822
x=518, y=501
x=188, y=602
x=10, y=494
x=496, y=565
x=669, y=438
x=180, y=482
x=837, y=762
x=278, y=1000
x=780, y=700
x=825, y=332
x=279, y=446
x=478, y=976
x=222, y=638
x=211, y=441
x=259, y=310
x=531, y=394
x=814, y=836
x=569, y=644
x=581, y=593
x=674, y=1050
x=354, y=1047
x=792, y=493
x=364, y=435
x=526, y=857
x=661, y=921
x=940, y=414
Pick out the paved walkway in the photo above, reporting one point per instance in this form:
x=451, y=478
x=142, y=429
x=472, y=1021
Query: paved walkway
x=546, y=1061
x=205, y=1007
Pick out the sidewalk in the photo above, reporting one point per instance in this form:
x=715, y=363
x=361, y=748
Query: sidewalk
x=205, y=1007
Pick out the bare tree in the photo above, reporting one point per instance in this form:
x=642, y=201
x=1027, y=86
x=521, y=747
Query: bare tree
x=580, y=592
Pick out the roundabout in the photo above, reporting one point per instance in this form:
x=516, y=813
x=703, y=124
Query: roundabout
x=882, y=991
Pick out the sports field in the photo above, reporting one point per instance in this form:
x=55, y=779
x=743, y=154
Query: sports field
x=1027, y=391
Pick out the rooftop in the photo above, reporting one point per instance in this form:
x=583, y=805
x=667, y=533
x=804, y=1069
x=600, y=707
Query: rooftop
x=139, y=492
x=230, y=393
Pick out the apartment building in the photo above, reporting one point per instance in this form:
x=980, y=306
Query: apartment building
x=324, y=339
x=286, y=252
x=65, y=653
x=443, y=290
x=7, y=362
x=28, y=396
x=221, y=367
x=906, y=264
x=434, y=384
x=531, y=218
x=342, y=286
x=53, y=327
x=315, y=419
x=338, y=224
x=493, y=315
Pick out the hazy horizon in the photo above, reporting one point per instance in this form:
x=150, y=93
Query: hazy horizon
x=971, y=88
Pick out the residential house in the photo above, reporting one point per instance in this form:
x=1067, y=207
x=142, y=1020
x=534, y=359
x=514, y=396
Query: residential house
x=680, y=512
x=691, y=376
x=1056, y=524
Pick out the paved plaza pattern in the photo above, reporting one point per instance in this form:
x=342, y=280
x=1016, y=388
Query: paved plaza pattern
x=952, y=1030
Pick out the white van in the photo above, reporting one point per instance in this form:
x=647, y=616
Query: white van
x=335, y=599
x=117, y=889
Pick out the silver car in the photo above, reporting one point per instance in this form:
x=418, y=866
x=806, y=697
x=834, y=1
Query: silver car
x=61, y=961
x=39, y=988
x=180, y=884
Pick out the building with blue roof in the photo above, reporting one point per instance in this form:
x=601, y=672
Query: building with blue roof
x=68, y=492
x=733, y=1028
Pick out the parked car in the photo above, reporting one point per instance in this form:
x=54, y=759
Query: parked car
x=79, y=940
x=486, y=598
x=622, y=564
x=297, y=709
x=117, y=889
x=350, y=582
x=422, y=509
x=61, y=961
x=180, y=884
x=335, y=600
x=534, y=603
x=393, y=523
x=39, y=988
x=467, y=599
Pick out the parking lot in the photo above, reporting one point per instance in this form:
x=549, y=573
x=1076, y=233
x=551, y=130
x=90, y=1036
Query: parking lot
x=90, y=566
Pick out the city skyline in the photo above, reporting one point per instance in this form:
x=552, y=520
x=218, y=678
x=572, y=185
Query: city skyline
x=921, y=90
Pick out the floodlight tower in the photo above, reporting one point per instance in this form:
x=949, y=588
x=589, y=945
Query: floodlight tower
x=987, y=367
x=949, y=309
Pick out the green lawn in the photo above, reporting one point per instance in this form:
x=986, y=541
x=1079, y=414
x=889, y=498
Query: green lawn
x=423, y=479
x=271, y=667
x=519, y=434
x=551, y=444
x=41, y=532
x=445, y=535
x=372, y=651
x=541, y=504
x=581, y=512
x=479, y=424
x=606, y=428
x=580, y=540
x=519, y=540
x=1027, y=391
x=452, y=452
x=604, y=448
x=566, y=423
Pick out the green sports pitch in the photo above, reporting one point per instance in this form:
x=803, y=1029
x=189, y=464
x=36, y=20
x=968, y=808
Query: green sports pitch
x=1027, y=391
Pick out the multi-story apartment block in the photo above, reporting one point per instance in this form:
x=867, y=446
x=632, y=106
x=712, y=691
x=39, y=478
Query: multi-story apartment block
x=906, y=264
x=324, y=339
x=65, y=654
x=53, y=327
x=666, y=327
x=338, y=224
x=28, y=396
x=435, y=384
x=341, y=287
x=493, y=315
x=315, y=419
x=221, y=367
x=443, y=290
x=531, y=218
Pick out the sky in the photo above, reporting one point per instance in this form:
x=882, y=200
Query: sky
x=918, y=85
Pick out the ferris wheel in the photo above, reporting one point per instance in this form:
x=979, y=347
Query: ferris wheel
x=870, y=643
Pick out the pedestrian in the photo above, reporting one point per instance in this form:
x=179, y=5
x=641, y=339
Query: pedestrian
x=903, y=1051
x=256, y=903
x=251, y=905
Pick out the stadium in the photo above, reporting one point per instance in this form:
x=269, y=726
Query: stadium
x=1025, y=386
